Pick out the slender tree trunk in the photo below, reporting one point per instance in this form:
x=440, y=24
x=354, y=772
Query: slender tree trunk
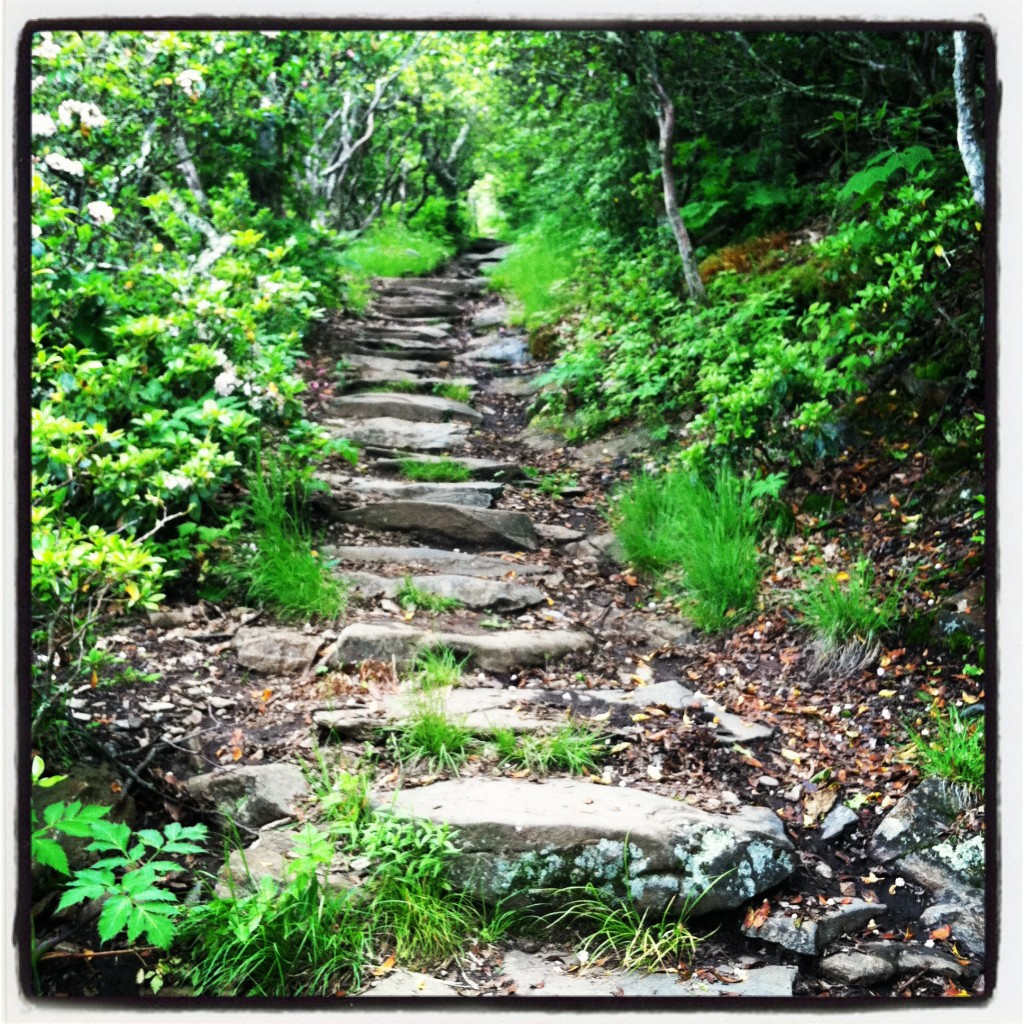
x=966, y=123
x=666, y=143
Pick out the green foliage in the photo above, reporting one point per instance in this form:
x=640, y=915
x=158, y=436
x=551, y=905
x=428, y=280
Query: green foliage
x=279, y=568
x=554, y=483
x=952, y=747
x=432, y=738
x=699, y=539
x=442, y=471
x=576, y=749
x=848, y=605
x=396, y=249
x=437, y=668
x=454, y=392
x=409, y=596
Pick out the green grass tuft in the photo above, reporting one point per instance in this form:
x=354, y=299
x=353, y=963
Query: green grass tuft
x=454, y=392
x=394, y=249
x=409, y=595
x=574, y=748
x=953, y=748
x=432, y=738
x=443, y=471
x=437, y=668
x=402, y=386
x=699, y=540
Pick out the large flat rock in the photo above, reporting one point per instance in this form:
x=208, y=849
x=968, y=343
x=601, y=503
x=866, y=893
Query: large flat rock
x=431, y=285
x=401, y=406
x=442, y=561
x=363, y=329
x=421, y=304
x=541, y=974
x=274, y=651
x=346, y=492
x=514, y=836
x=493, y=652
x=479, y=469
x=491, y=528
x=511, y=348
x=472, y=592
x=393, y=346
x=252, y=795
x=388, y=432
x=385, y=364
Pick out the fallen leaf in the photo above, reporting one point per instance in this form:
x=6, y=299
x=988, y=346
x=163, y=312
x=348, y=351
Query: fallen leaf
x=640, y=717
x=388, y=964
x=969, y=698
x=791, y=755
x=236, y=753
x=756, y=918
x=871, y=878
x=818, y=804
x=951, y=990
x=886, y=693
x=620, y=747
x=941, y=933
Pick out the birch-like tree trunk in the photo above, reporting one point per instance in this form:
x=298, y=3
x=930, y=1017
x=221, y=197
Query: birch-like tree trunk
x=966, y=121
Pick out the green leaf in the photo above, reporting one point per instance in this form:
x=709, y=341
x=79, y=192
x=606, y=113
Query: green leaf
x=50, y=853
x=155, y=922
x=114, y=916
x=151, y=837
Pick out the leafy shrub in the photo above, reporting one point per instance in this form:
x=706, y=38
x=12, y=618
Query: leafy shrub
x=394, y=249
x=699, y=539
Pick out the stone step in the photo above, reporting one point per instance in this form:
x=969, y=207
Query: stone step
x=394, y=346
x=441, y=560
x=489, y=317
x=386, y=364
x=348, y=492
x=387, y=432
x=470, y=286
x=372, y=331
x=416, y=306
x=515, y=835
x=510, y=348
x=493, y=652
x=481, y=258
x=401, y=406
x=473, y=592
x=374, y=380
x=483, y=711
x=482, y=469
x=489, y=528
x=483, y=244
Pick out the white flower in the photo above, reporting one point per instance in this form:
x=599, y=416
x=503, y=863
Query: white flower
x=269, y=34
x=36, y=230
x=47, y=48
x=38, y=81
x=226, y=382
x=100, y=211
x=190, y=82
x=44, y=125
x=266, y=103
x=176, y=482
x=56, y=162
x=89, y=114
x=203, y=305
x=218, y=47
x=219, y=357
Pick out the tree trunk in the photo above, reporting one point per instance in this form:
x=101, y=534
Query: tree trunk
x=666, y=142
x=966, y=124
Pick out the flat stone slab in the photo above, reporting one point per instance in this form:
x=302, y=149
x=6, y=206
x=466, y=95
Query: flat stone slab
x=385, y=364
x=443, y=561
x=473, y=592
x=421, y=304
x=490, y=316
x=394, y=346
x=919, y=817
x=514, y=836
x=388, y=432
x=436, y=285
x=536, y=974
x=363, y=329
x=880, y=961
x=252, y=795
x=401, y=983
x=494, y=528
x=482, y=711
x=791, y=929
x=274, y=651
x=479, y=469
x=494, y=256
x=493, y=652
x=509, y=349
x=557, y=534
x=346, y=492
x=401, y=406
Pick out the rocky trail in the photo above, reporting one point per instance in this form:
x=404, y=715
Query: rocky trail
x=716, y=749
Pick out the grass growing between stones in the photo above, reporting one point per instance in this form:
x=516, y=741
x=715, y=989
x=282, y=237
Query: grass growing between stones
x=700, y=540
x=454, y=392
x=395, y=249
x=574, y=748
x=952, y=747
x=431, y=738
x=409, y=595
x=402, y=386
x=280, y=568
x=442, y=471
x=437, y=668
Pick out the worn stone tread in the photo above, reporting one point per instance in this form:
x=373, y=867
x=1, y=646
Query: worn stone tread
x=396, y=405
x=390, y=433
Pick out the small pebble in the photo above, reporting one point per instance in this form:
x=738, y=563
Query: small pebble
x=767, y=781
x=730, y=798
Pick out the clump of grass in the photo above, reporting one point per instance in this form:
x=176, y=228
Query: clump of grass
x=697, y=539
x=573, y=748
x=279, y=568
x=454, y=392
x=409, y=595
x=553, y=484
x=437, y=668
x=847, y=606
x=402, y=386
x=394, y=249
x=432, y=738
x=952, y=748
x=442, y=471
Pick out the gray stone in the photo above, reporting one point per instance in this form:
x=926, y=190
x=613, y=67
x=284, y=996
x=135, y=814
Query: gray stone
x=398, y=405
x=491, y=316
x=919, y=817
x=495, y=528
x=514, y=836
x=652, y=628
x=541, y=439
x=494, y=256
x=669, y=694
x=881, y=961
x=401, y=982
x=517, y=387
x=252, y=795
x=388, y=432
x=422, y=305
x=811, y=937
x=345, y=492
x=479, y=469
x=464, y=286
x=511, y=348
x=274, y=651
x=489, y=651
x=394, y=347
x=385, y=364
x=498, y=595
x=442, y=560
x=601, y=548
x=613, y=446
x=947, y=866
x=172, y=618
x=964, y=911
x=374, y=379
x=556, y=534
x=837, y=821
x=365, y=329
x=536, y=974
